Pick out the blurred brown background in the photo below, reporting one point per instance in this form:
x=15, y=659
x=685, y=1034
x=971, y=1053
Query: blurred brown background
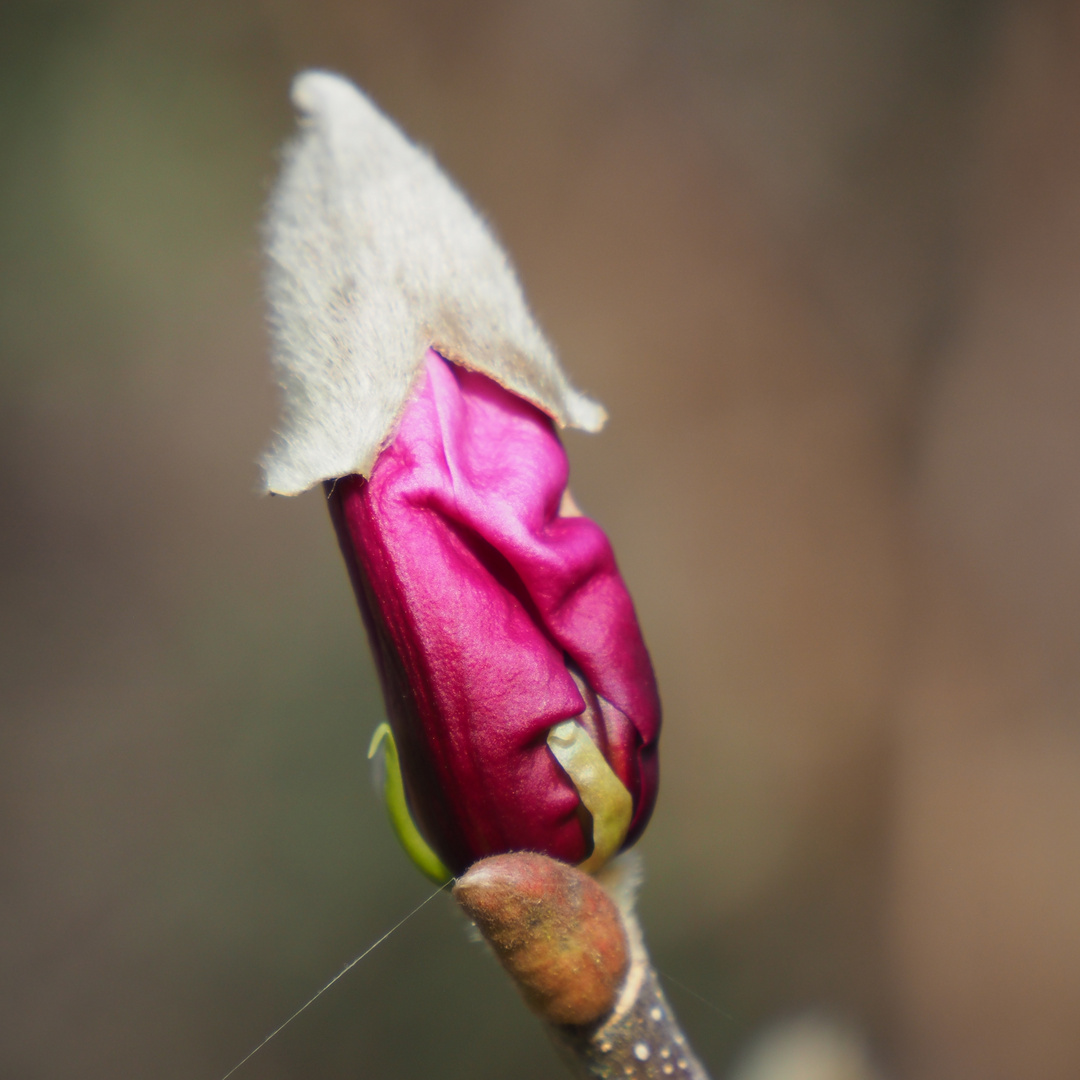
x=821, y=260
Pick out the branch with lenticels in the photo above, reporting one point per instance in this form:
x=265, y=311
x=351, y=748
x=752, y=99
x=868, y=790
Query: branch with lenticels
x=576, y=953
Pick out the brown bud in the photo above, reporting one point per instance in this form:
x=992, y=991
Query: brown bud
x=556, y=931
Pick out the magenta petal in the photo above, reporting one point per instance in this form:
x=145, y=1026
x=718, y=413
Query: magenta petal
x=476, y=592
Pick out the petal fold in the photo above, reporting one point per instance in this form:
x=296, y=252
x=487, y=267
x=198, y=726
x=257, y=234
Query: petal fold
x=494, y=618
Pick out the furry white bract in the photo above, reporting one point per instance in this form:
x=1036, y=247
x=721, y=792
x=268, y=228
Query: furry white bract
x=374, y=256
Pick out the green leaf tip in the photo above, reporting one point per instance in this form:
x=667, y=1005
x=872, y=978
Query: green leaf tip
x=416, y=847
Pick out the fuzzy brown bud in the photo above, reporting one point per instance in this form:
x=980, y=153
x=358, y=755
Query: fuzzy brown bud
x=555, y=930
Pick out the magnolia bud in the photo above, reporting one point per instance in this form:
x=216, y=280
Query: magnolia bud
x=418, y=387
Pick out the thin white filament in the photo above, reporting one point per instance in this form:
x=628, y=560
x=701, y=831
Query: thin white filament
x=344, y=971
x=694, y=994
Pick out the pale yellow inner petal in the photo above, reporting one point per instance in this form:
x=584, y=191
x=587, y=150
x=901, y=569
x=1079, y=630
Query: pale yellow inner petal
x=601, y=791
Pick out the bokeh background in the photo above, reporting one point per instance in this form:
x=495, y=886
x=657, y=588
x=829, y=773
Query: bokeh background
x=821, y=260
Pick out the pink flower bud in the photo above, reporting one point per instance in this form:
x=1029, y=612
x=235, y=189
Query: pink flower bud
x=493, y=618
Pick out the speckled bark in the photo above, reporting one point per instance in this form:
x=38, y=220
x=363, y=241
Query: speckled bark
x=557, y=931
x=639, y=1040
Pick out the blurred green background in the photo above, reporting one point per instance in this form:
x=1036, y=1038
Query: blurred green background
x=819, y=260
